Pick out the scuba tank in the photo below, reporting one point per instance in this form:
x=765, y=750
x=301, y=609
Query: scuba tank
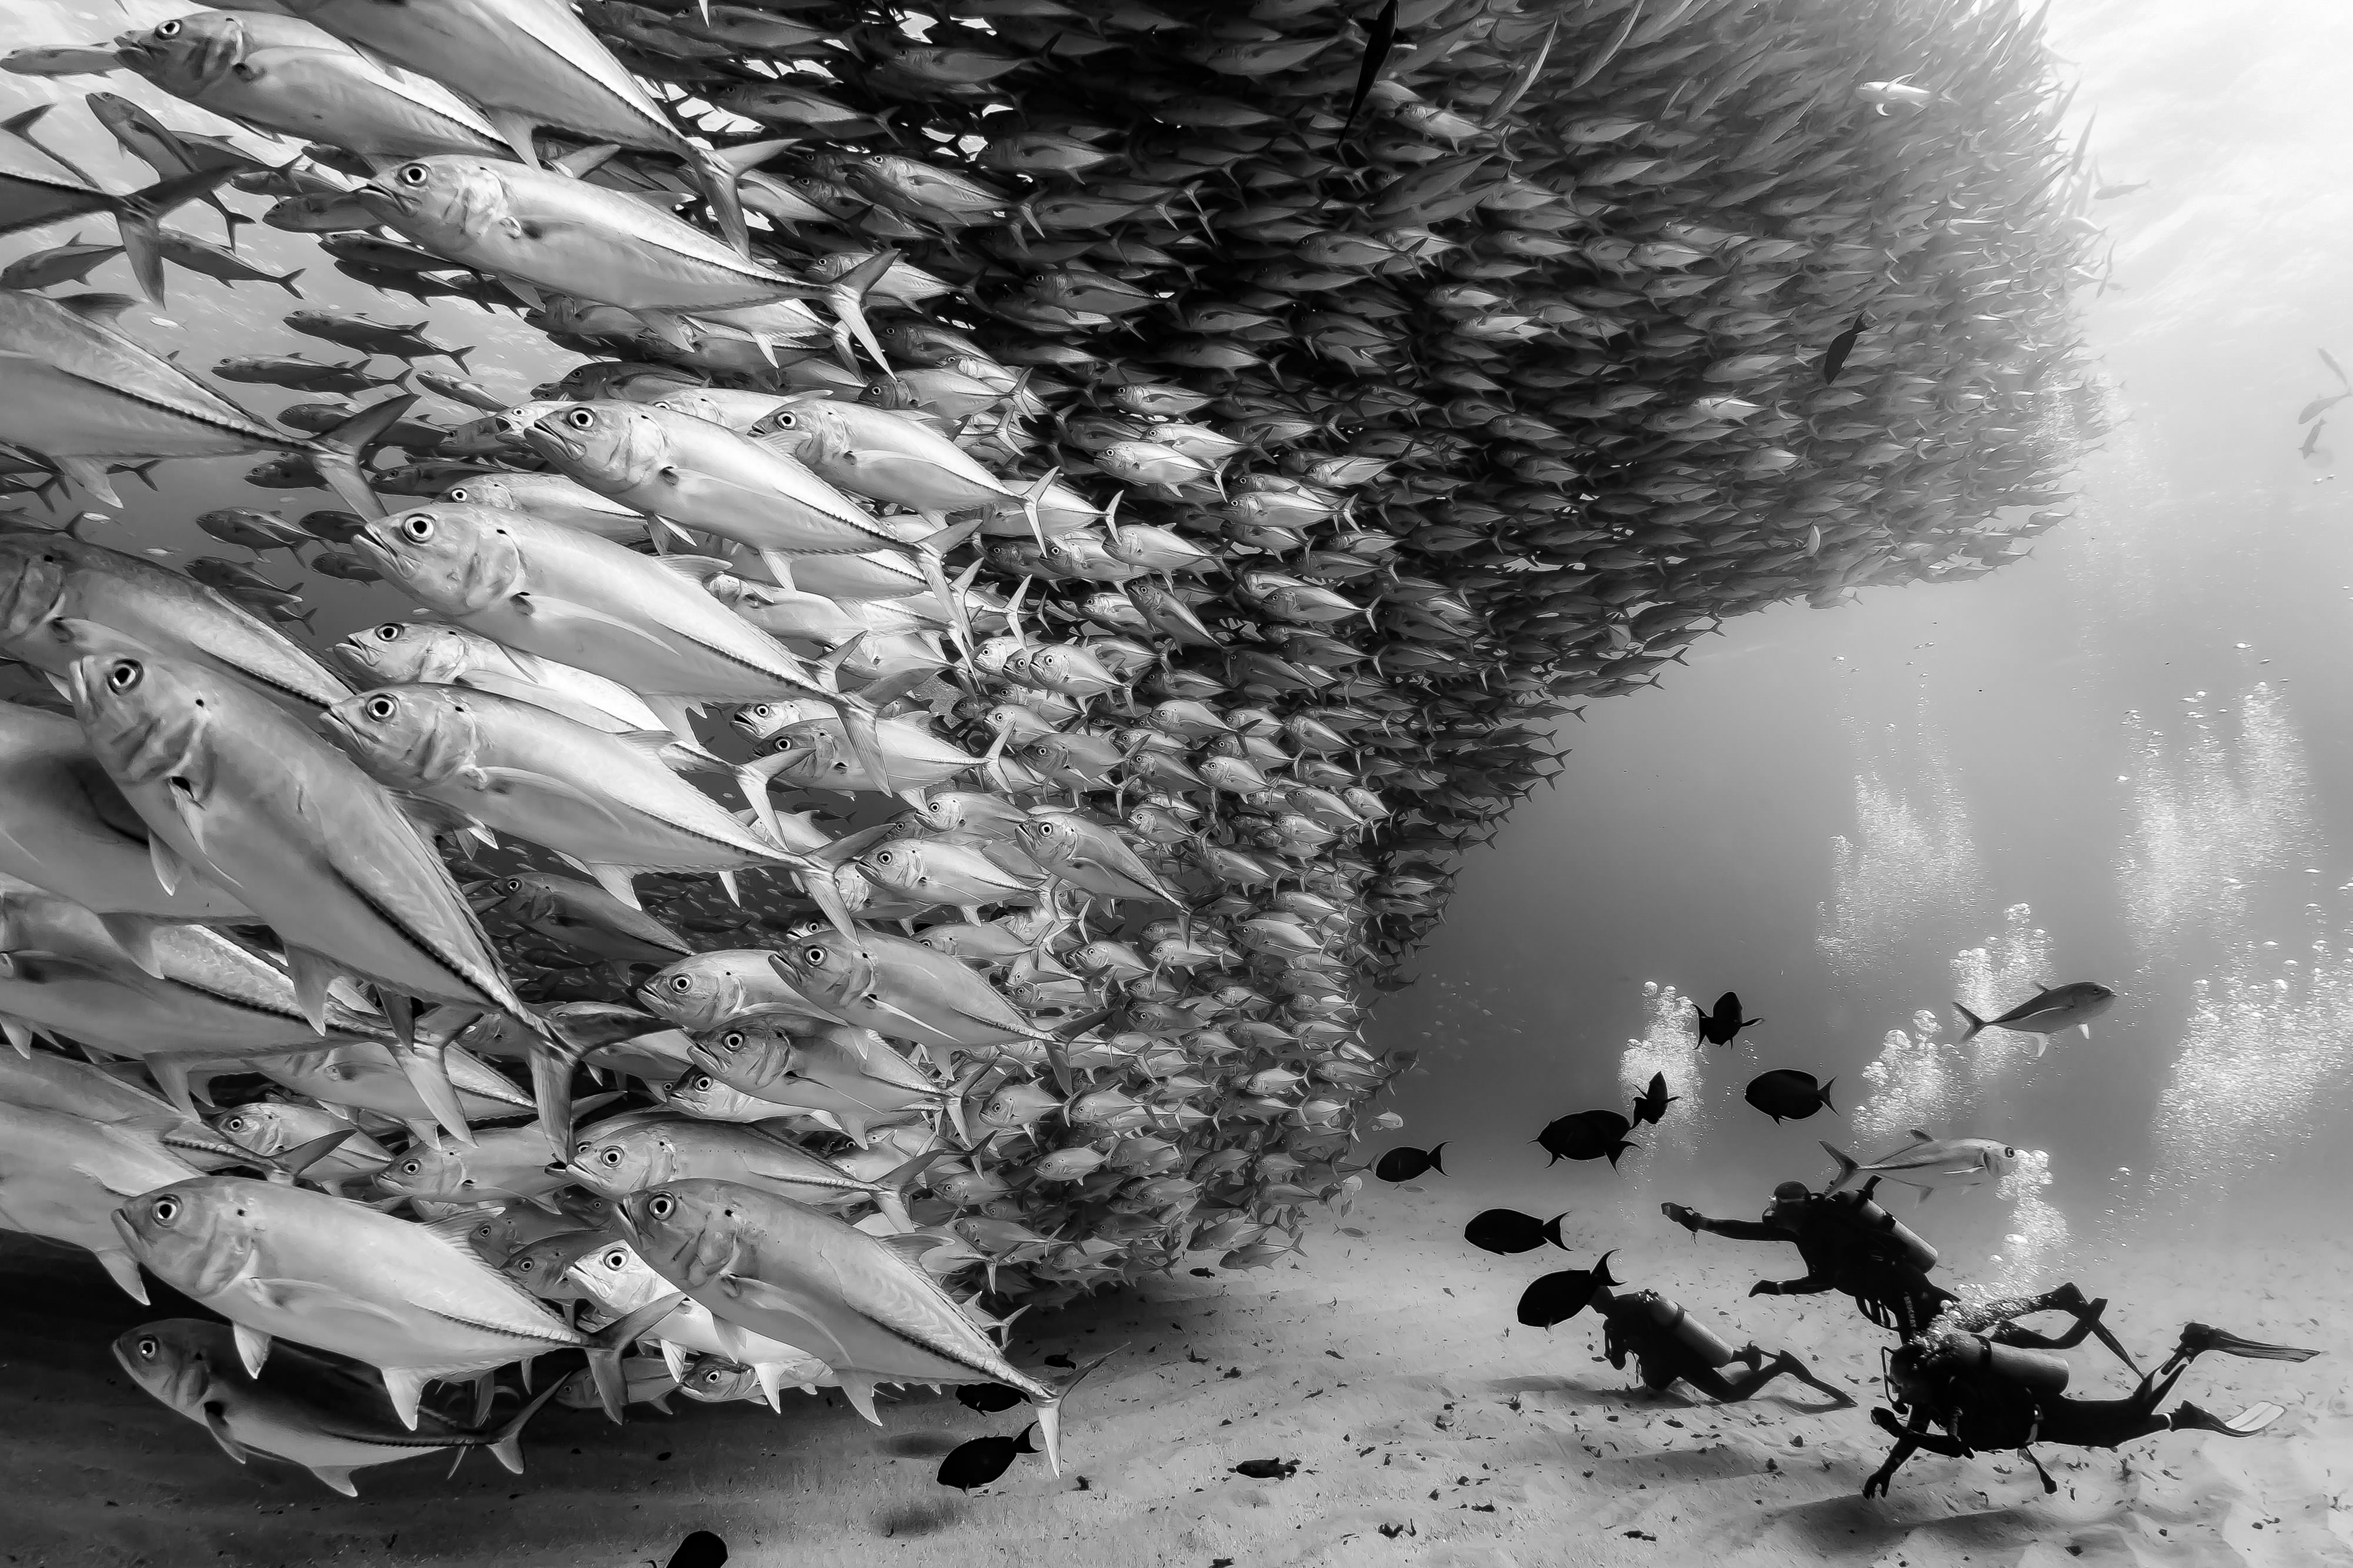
x=1694, y=1335
x=2041, y=1373
x=1886, y=1229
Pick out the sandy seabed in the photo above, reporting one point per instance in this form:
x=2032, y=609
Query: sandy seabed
x=1429, y=1430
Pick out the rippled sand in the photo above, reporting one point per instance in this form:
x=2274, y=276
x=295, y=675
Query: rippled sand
x=1426, y=1433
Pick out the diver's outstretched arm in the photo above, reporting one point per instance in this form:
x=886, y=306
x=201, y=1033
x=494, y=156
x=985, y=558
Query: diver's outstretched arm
x=1811, y=1285
x=1737, y=1229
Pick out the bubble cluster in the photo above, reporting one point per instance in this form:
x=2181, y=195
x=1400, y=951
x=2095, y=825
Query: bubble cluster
x=1669, y=1044
x=1914, y=857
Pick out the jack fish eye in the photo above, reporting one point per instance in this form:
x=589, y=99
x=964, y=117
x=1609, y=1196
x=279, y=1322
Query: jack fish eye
x=611, y=1156
x=125, y=675
x=733, y=1039
x=581, y=418
x=382, y=708
x=389, y=632
x=2011, y=1153
x=660, y=1206
x=458, y=493
x=416, y=526
x=813, y=955
x=411, y=1167
x=703, y=1083
x=615, y=1258
x=413, y=175
x=514, y=884
x=150, y=1345
x=167, y=1210
x=162, y=30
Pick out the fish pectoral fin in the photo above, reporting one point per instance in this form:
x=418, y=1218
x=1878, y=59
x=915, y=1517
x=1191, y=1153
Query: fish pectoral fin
x=216, y=1423
x=1921, y=1136
x=565, y=615
x=135, y=935
x=252, y=1349
x=313, y=975
x=90, y=474
x=303, y=1295
x=170, y=869
x=514, y=129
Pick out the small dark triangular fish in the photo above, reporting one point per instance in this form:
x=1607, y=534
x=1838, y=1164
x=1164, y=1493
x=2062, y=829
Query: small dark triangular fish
x=1380, y=37
x=1587, y=1135
x=1719, y=1026
x=1405, y=1164
x=988, y=1398
x=1785, y=1092
x=1268, y=1469
x=699, y=1550
x=1652, y=1102
x=1834, y=358
x=1556, y=1298
x=1508, y=1231
x=982, y=1461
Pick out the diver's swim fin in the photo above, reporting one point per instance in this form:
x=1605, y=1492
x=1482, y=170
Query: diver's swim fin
x=2245, y=1424
x=2199, y=1338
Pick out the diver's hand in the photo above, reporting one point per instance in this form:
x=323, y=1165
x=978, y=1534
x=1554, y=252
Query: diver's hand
x=1877, y=1485
x=1765, y=1287
x=1687, y=1218
x=1885, y=1419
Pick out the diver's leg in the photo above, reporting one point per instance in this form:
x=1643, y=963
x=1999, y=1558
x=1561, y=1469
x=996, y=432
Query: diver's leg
x=2197, y=1339
x=1741, y=1386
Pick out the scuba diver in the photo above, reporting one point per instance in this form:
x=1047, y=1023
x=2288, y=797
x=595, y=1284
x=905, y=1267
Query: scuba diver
x=1993, y=1396
x=1667, y=1345
x=1850, y=1244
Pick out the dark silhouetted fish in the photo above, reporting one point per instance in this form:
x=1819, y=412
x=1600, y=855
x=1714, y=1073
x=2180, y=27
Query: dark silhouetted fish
x=1834, y=357
x=1787, y=1094
x=1508, y=1231
x=1587, y=1135
x=1652, y=1102
x=1405, y=1164
x=1557, y=1298
x=699, y=1550
x=982, y=1461
x=1718, y=1027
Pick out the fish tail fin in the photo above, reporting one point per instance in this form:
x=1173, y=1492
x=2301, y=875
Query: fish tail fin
x=139, y=218
x=718, y=180
x=1434, y=1154
x=288, y=282
x=460, y=355
x=1826, y=1099
x=506, y=1446
x=608, y=1344
x=1049, y=1411
x=553, y=1056
x=1846, y=1166
x=1552, y=1231
x=339, y=453
x=1971, y=1019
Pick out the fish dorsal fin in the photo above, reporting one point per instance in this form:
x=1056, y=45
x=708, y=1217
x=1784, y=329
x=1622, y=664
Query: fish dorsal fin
x=1922, y=1136
x=99, y=308
x=2042, y=988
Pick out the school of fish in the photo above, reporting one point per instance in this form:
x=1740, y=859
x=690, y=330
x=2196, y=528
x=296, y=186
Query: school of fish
x=1068, y=521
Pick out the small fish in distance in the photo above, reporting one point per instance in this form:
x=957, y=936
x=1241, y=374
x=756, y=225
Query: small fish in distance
x=989, y=1398
x=1405, y=1164
x=1267, y=1469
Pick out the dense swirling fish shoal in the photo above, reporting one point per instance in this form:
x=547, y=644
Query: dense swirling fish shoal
x=1122, y=495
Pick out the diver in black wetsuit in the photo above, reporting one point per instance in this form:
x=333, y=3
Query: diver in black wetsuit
x=1849, y=1244
x=1993, y=1396
x=1668, y=1345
